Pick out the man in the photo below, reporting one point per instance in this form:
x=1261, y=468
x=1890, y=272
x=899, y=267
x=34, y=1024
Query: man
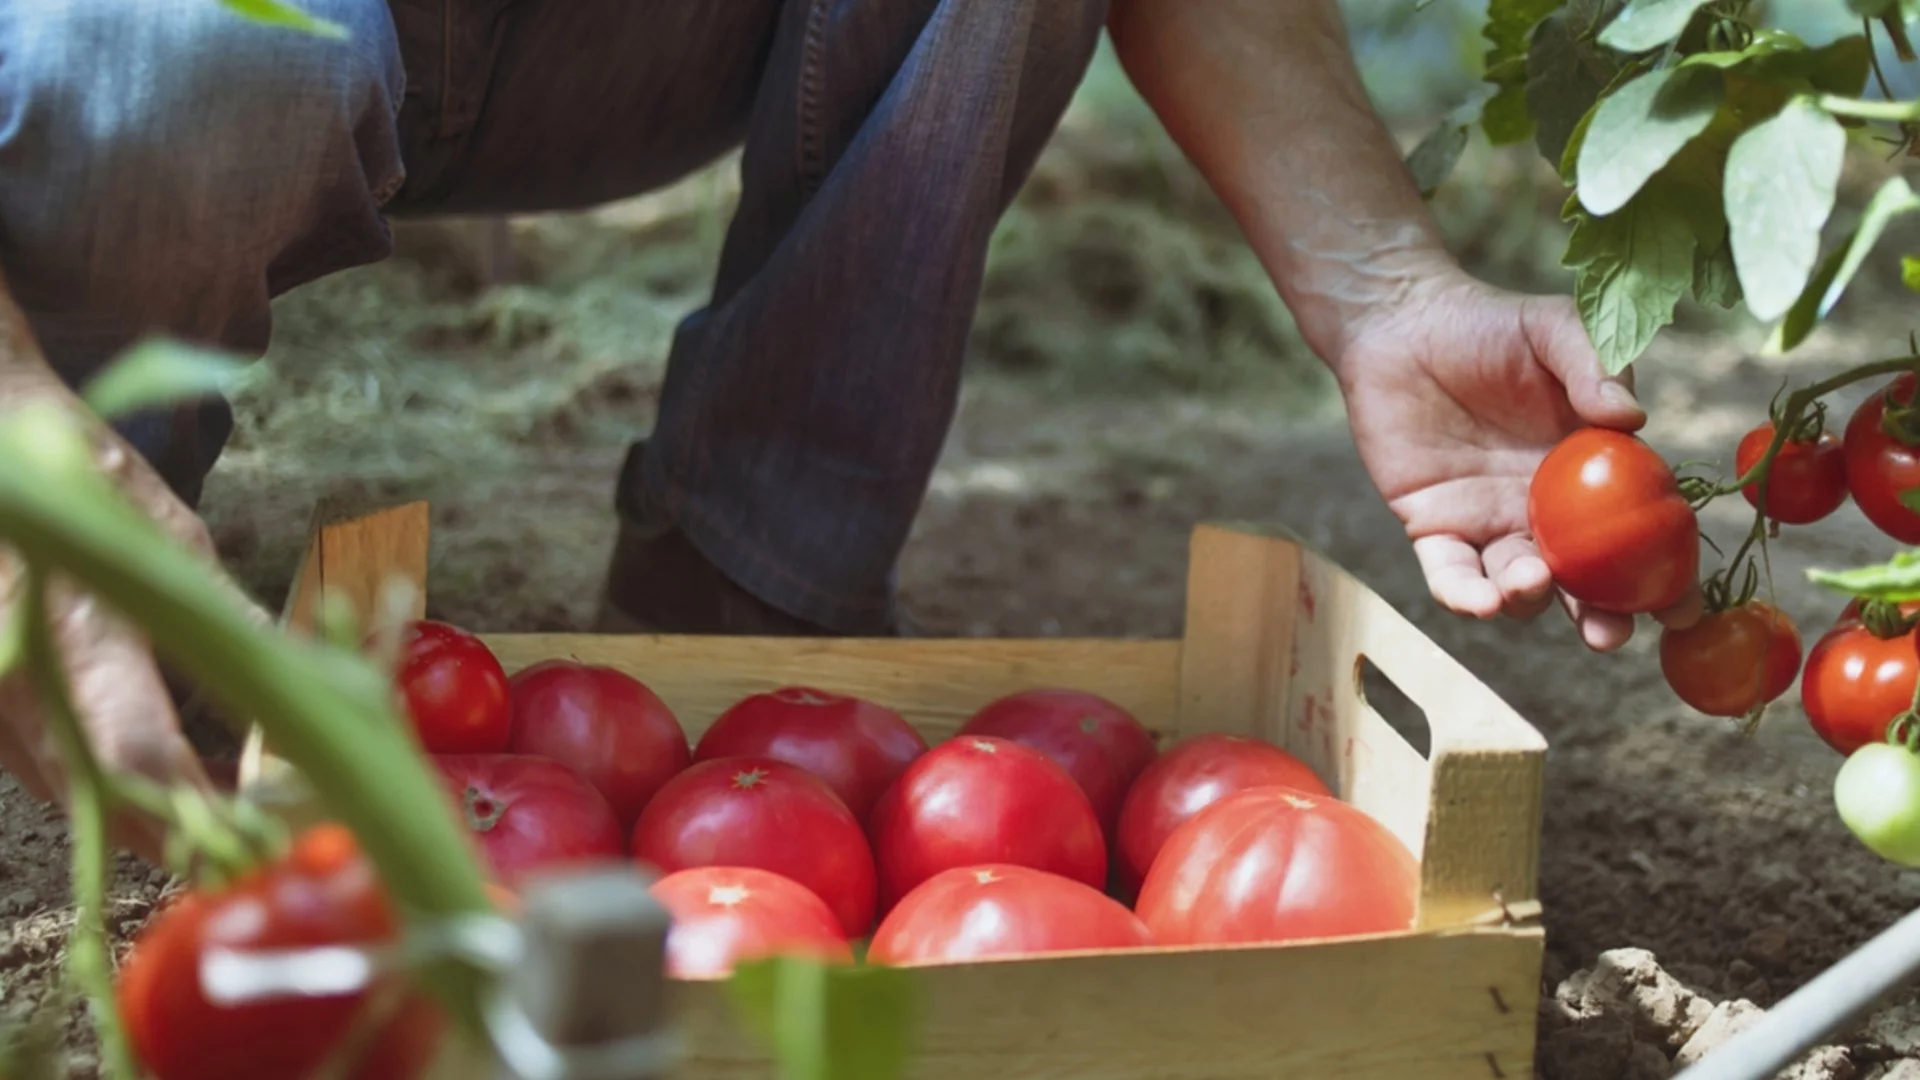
x=170, y=167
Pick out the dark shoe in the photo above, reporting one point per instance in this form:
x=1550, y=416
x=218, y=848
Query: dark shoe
x=663, y=585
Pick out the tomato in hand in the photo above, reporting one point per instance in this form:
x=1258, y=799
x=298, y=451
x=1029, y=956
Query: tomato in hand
x=767, y=814
x=1880, y=467
x=453, y=689
x=1732, y=661
x=324, y=892
x=727, y=915
x=605, y=724
x=1855, y=683
x=1100, y=744
x=857, y=747
x=1807, y=480
x=1609, y=519
x=1877, y=795
x=1272, y=864
x=1191, y=776
x=530, y=813
x=978, y=799
x=998, y=909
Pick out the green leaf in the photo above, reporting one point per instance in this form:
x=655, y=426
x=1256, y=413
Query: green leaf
x=1782, y=175
x=1649, y=24
x=1715, y=281
x=1766, y=42
x=1504, y=117
x=1895, y=581
x=1631, y=268
x=1566, y=74
x=279, y=13
x=1508, y=29
x=1910, y=498
x=156, y=373
x=1910, y=272
x=1638, y=128
x=1895, y=198
x=828, y=1021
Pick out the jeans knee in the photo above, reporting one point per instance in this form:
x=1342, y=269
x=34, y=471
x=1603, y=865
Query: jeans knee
x=156, y=153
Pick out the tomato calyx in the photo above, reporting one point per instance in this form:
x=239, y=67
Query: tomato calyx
x=481, y=810
x=1886, y=620
x=1900, y=411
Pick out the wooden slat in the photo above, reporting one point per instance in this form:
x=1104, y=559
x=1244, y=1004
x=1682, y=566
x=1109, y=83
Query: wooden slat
x=935, y=683
x=1431, y=1007
x=1236, y=656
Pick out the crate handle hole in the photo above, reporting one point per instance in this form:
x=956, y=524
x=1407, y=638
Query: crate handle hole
x=1384, y=697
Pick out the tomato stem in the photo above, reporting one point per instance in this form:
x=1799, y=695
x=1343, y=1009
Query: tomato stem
x=1796, y=406
x=89, y=959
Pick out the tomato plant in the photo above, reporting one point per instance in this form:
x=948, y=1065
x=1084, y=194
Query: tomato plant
x=727, y=915
x=530, y=813
x=856, y=746
x=767, y=814
x=1807, y=480
x=1274, y=864
x=1858, y=678
x=1732, y=661
x=323, y=892
x=454, y=690
x=1100, y=744
x=982, y=799
x=1610, y=521
x=605, y=724
x=1877, y=794
x=1883, y=459
x=999, y=909
x=1189, y=777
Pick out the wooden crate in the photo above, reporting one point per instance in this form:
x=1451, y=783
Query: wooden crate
x=1276, y=639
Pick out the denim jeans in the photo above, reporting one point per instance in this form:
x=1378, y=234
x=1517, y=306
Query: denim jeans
x=165, y=166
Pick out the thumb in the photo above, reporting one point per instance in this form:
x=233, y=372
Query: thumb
x=1560, y=343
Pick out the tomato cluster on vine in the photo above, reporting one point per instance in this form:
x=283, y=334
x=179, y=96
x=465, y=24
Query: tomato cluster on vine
x=1619, y=529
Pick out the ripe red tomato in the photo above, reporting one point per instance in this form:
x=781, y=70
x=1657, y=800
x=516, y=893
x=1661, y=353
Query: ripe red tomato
x=1100, y=744
x=1272, y=864
x=1854, y=684
x=982, y=799
x=530, y=813
x=1732, y=661
x=1191, y=776
x=857, y=747
x=605, y=724
x=974, y=912
x=453, y=689
x=1611, y=523
x=1808, y=478
x=726, y=915
x=1880, y=467
x=758, y=812
x=324, y=892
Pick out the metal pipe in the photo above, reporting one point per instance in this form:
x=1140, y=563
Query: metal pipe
x=1829, y=1002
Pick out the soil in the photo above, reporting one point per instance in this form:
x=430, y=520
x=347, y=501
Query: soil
x=1092, y=437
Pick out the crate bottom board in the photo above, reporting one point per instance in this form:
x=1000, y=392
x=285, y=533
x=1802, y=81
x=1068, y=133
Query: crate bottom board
x=1444, y=1006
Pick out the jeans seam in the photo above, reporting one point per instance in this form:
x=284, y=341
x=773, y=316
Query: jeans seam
x=812, y=72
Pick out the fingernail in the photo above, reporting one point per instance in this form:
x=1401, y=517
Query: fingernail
x=1619, y=397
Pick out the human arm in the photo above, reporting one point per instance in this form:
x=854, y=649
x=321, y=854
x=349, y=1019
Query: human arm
x=1455, y=390
x=116, y=686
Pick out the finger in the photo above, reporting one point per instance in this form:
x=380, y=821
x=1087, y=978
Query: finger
x=1684, y=613
x=1525, y=583
x=1600, y=631
x=1559, y=341
x=1455, y=577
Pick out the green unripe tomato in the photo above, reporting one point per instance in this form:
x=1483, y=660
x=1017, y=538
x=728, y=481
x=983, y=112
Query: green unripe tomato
x=1877, y=793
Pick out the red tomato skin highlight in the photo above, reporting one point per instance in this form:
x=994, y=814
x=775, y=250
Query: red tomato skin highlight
x=1854, y=684
x=606, y=725
x=1102, y=746
x=1607, y=515
x=530, y=813
x=453, y=689
x=857, y=747
x=727, y=915
x=1000, y=910
x=1807, y=482
x=758, y=812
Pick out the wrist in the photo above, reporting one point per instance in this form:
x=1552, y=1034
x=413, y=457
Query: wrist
x=1340, y=296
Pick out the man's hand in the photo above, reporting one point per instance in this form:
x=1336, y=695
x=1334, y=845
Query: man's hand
x=116, y=687
x=1454, y=398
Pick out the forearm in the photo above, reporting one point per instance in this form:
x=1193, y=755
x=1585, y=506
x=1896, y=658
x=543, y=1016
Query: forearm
x=1264, y=98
